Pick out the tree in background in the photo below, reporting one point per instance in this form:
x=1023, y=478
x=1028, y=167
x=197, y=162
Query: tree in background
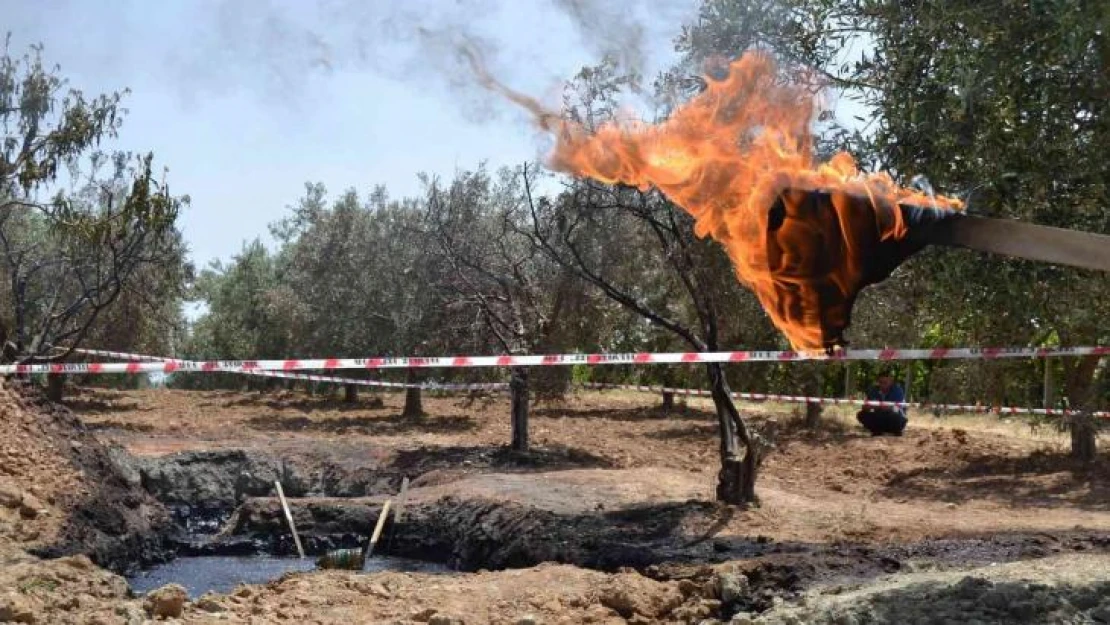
x=78, y=226
x=512, y=295
x=1005, y=102
x=1000, y=102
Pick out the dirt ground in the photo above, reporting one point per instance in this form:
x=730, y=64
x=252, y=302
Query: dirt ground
x=944, y=477
x=850, y=525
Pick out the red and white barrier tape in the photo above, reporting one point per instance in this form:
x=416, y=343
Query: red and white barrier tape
x=431, y=386
x=844, y=401
x=603, y=386
x=172, y=366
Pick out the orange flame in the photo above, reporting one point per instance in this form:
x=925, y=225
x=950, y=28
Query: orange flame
x=726, y=157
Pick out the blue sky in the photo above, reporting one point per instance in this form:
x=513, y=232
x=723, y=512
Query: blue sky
x=246, y=100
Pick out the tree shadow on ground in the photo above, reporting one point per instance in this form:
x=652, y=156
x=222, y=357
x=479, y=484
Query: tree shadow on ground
x=386, y=425
x=113, y=424
x=97, y=400
x=626, y=414
x=305, y=404
x=503, y=458
x=1037, y=479
x=692, y=432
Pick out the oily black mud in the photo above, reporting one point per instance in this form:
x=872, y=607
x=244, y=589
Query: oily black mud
x=474, y=533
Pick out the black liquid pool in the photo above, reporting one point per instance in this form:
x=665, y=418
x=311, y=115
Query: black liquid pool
x=223, y=573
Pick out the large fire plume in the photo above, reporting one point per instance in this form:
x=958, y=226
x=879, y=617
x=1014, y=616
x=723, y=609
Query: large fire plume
x=803, y=235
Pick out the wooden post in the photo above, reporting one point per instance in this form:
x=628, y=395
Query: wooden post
x=377, y=533
x=289, y=518
x=908, y=379
x=350, y=394
x=849, y=380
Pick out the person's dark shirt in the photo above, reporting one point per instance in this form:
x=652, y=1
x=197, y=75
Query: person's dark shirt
x=893, y=394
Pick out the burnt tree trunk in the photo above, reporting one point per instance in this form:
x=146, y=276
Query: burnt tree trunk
x=736, y=480
x=350, y=393
x=518, y=388
x=55, y=386
x=414, y=405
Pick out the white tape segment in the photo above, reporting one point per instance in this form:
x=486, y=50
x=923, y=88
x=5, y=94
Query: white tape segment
x=244, y=366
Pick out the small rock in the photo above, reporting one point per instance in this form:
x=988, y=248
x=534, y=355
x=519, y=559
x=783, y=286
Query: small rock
x=10, y=497
x=207, y=603
x=16, y=608
x=742, y=618
x=80, y=562
x=527, y=620
x=30, y=507
x=731, y=587
x=423, y=616
x=1101, y=614
x=167, y=601
x=445, y=619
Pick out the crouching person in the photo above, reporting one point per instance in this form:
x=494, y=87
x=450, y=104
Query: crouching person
x=886, y=419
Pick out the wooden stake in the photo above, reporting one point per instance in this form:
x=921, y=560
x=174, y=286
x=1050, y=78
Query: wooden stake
x=377, y=533
x=289, y=517
x=399, y=511
x=401, y=498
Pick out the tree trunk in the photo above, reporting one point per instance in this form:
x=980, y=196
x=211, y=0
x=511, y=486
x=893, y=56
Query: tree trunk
x=813, y=415
x=668, y=401
x=414, y=406
x=814, y=409
x=55, y=385
x=736, y=480
x=518, y=387
x=1084, y=436
x=350, y=393
x=1079, y=386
